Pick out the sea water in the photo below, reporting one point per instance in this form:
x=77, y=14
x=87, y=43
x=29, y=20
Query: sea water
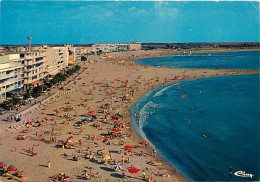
x=238, y=60
x=224, y=109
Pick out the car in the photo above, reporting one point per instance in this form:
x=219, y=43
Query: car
x=19, y=97
x=30, y=98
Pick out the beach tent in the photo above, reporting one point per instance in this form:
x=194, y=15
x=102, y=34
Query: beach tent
x=133, y=170
x=117, y=166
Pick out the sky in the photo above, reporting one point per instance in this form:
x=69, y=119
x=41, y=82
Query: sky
x=83, y=22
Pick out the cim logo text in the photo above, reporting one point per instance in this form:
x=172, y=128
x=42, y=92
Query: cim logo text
x=243, y=174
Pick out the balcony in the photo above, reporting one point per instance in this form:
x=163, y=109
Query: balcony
x=27, y=70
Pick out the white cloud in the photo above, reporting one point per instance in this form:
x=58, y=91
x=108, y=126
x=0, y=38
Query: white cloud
x=164, y=10
x=93, y=11
x=134, y=10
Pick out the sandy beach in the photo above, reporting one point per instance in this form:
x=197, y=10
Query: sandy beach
x=85, y=130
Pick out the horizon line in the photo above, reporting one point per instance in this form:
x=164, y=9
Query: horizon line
x=130, y=0
x=131, y=42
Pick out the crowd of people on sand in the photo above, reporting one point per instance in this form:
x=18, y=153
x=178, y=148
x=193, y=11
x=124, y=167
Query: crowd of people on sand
x=107, y=116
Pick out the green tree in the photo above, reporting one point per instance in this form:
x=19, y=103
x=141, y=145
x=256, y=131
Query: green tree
x=16, y=101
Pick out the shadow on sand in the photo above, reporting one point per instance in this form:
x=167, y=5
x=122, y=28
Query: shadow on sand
x=107, y=169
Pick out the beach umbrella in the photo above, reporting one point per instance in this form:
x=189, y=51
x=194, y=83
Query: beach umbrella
x=91, y=112
x=115, y=130
x=2, y=164
x=105, y=140
x=114, y=119
x=133, y=170
x=127, y=147
x=117, y=166
x=176, y=78
x=94, y=117
x=105, y=157
x=12, y=168
x=120, y=116
x=70, y=137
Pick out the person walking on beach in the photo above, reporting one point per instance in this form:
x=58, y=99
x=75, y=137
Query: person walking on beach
x=49, y=164
x=123, y=160
x=154, y=153
x=80, y=142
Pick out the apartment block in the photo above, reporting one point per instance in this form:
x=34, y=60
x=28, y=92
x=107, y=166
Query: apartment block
x=74, y=54
x=34, y=67
x=116, y=47
x=11, y=74
x=57, y=59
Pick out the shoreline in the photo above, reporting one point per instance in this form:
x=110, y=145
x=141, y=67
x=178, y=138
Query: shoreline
x=125, y=71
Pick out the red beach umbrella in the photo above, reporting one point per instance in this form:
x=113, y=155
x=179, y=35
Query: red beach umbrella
x=105, y=140
x=176, y=78
x=70, y=137
x=115, y=130
x=10, y=170
x=114, y=119
x=91, y=112
x=133, y=170
x=127, y=147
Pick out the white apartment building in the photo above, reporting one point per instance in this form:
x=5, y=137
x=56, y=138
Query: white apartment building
x=116, y=47
x=11, y=74
x=56, y=59
x=34, y=67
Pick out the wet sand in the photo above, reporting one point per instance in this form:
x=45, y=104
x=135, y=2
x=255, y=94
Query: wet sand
x=107, y=88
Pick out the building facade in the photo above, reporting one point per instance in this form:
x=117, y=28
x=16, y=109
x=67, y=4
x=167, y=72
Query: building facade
x=11, y=74
x=116, y=47
x=56, y=59
x=74, y=54
x=34, y=67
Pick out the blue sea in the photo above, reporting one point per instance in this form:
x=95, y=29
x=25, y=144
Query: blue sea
x=225, y=109
x=234, y=60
